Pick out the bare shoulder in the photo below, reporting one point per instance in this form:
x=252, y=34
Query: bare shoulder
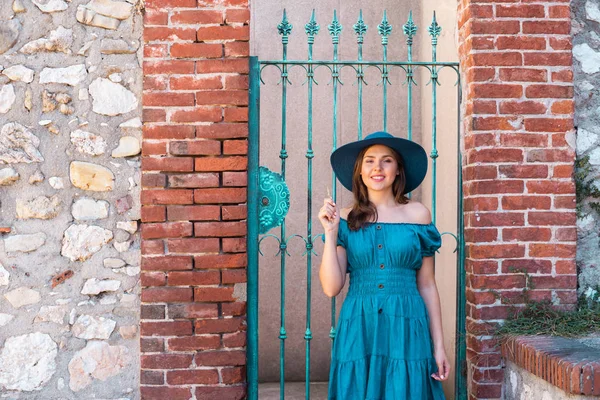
x=344, y=212
x=420, y=213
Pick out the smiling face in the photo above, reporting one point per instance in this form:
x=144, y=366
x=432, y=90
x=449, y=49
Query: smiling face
x=379, y=168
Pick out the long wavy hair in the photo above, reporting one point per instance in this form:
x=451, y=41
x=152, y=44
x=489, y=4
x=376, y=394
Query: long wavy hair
x=363, y=211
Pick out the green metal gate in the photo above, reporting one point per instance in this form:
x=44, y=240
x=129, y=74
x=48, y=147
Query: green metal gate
x=269, y=197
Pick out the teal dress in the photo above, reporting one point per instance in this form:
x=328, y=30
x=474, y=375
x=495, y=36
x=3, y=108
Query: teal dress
x=383, y=348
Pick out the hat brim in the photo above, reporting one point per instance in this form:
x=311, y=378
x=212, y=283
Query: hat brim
x=414, y=157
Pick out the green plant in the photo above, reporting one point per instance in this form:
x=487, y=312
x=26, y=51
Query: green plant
x=584, y=187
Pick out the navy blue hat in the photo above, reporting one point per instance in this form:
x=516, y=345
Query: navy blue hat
x=414, y=157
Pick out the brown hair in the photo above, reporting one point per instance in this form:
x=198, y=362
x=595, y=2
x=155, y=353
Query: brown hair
x=363, y=211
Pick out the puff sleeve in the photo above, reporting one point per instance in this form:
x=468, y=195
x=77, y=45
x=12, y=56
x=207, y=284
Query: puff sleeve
x=342, y=238
x=430, y=239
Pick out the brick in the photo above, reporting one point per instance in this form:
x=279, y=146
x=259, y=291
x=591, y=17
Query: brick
x=233, y=309
x=156, y=278
x=190, y=246
x=239, y=66
x=204, y=342
x=193, y=278
x=154, y=115
x=153, y=311
x=233, y=212
x=496, y=123
x=552, y=250
x=520, y=11
x=236, y=147
x=198, y=114
x=237, y=339
x=480, y=267
x=523, y=75
x=496, y=187
x=166, y=230
x=235, y=114
x=195, y=82
x=168, y=67
x=548, y=59
x=561, y=43
x=233, y=276
x=237, y=15
x=224, y=32
x=502, y=59
x=221, y=392
x=520, y=43
x=555, y=282
x=563, y=171
x=547, y=27
x=224, y=325
x=219, y=229
x=237, y=49
x=490, y=219
x=153, y=82
x=154, y=148
x=154, y=4
x=194, y=310
x=193, y=213
x=493, y=90
x=568, y=202
x=195, y=17
x=196, y=50
x=565, y=75
x=523, y=171
x=478, y=172
x=212, y=294
x=169, y=34
x=234, y=245
x=566, y=267
x=195, y=180
x=167, y=263
x=550, y=155
x=515, y=139
x=168, y=132
x=155, y=51
x=224, y=3
x=222, y=97
x=236, y=82
x=166, y=328
x=167, y=99
x=526, y=234
x=494, y=155
x=526, y=203
x=152, y=377
x=548, y=124
x=220, y=261
x=566, y=235
x=522, y=107
x=549, y=91
x=153, y=213
x=559, y=12
x=168, y=164
x=550, y=187
x=491, y=312
x=235, y=178
x=496, y=251
x=167, y=295
x=482, y=42
x=497, y=281
x=152, y=345
x=166, y=361
x=479, y=27
x=154, y=17
x=222, y=131
x=552, y=218
x=150, y=247
x=233, y=163
x=193, y=377
x=164, y=392
x=480, y=204
x=220, y=195
x=222, y=358
x=233, y=375
x=481, y=74
x=195, y=147
x=563, y=107
x=154, y=180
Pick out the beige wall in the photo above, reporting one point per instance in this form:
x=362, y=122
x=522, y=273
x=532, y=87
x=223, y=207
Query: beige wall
x=267, y=45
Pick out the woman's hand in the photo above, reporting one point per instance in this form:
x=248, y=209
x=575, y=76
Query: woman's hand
x=443, y=365
x=329, y=216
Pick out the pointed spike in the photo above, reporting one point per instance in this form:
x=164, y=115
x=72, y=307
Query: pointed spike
x=335, y=28
x=312, y=28
x=284, y=28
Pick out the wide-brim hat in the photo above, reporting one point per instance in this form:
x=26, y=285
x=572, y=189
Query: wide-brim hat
x=413, y=156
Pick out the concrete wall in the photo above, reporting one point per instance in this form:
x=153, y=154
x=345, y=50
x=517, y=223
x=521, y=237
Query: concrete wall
x=70, y=81
x=267, y=45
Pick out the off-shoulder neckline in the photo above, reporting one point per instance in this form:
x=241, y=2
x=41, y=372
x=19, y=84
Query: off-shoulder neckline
x=393, y=223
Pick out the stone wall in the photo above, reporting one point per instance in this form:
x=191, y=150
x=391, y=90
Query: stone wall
x=586, y=65
x=70, y=131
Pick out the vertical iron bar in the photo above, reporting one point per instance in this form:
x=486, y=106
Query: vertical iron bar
x=360, y=28
x=252, y=238
x=410, y=29
x=434, y=31
x=284, y=29
x=384, y=29
x=312, y=28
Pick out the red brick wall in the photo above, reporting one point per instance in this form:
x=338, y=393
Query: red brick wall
x=194, y=165
x=519, y=195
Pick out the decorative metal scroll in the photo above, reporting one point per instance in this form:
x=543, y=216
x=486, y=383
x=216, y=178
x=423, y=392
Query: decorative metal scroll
x=274, y=200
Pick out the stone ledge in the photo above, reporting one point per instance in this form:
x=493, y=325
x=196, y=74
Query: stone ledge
x=569, y=364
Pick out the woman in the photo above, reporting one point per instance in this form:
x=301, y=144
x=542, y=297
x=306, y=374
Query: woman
x=389, y=342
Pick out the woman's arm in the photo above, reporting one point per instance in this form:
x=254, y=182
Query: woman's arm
x=333, y=263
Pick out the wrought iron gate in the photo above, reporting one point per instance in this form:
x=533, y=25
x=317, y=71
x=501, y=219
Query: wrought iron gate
x=268, y=200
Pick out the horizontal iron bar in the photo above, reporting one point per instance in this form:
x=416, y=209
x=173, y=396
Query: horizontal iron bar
x=342, y=62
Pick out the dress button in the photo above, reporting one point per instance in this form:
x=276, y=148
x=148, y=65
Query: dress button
x=380, y=246
x=378, y=226
x=380, y=286
x=381, y=266
x=380, y=311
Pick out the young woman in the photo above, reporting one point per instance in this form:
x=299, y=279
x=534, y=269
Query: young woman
x=389, y=342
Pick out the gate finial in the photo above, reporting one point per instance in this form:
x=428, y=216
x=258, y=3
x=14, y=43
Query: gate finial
x=410, y=29
x=335, y=28
x=360, y=28
x=384, y=29
x=312, y=28
x=284, y=28
x=434, y=30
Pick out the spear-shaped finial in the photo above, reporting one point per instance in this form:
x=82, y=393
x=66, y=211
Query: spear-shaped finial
x=434, y=30
x=384, y=28
x=335, y=28
x=312, y=28
x=409, y=29
x=284, y=28
x=360, y=28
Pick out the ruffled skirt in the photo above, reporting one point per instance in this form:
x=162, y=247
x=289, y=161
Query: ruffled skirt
x=383, y=350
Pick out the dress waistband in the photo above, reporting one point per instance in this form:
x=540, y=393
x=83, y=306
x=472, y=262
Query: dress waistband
x=376, y=281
